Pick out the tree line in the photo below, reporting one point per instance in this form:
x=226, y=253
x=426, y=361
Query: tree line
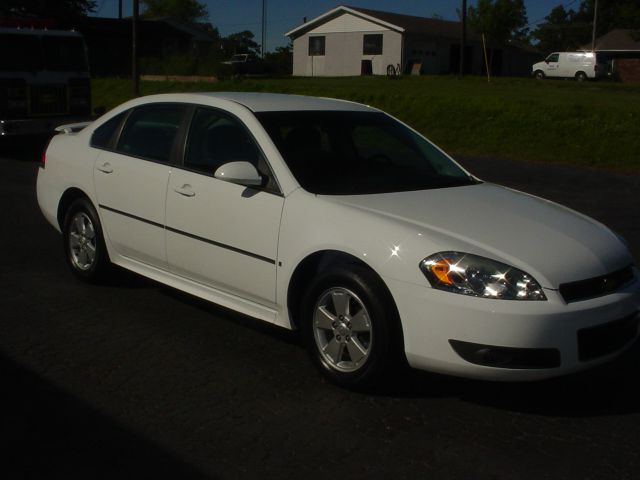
x=189, y=11
x=564, y=28
x=502, y=21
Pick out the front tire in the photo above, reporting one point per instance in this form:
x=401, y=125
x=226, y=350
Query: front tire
x=539, y=75
x=350, y=326
x=83, y=242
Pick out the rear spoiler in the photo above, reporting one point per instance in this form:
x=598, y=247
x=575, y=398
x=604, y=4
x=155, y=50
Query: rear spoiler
x=72, y=127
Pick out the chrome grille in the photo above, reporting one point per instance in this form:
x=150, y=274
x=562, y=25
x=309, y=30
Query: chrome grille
x=48, y=99
x=597, y=286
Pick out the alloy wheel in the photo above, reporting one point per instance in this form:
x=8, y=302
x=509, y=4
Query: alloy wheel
x=342, y=330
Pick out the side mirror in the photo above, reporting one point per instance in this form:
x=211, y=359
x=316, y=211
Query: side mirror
x=546, y=61
x=242, y=173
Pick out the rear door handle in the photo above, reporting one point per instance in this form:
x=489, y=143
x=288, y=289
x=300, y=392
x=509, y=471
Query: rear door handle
x=185, y=190
x=105, y=168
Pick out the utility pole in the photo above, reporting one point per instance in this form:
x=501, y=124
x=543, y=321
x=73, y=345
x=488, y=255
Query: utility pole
x=134, y=49
x=463, y=39
x=264, y=28
x=593, y=35
x=120, y=9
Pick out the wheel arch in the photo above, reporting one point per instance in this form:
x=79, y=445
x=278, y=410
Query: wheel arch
x=318, y=261
x=70, y=195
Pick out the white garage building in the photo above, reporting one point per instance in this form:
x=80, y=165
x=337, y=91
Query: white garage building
x=347, y=41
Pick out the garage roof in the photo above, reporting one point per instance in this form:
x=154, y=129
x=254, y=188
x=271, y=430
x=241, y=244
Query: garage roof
x=394, y=21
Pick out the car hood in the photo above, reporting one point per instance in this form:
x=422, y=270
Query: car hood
x=547, y=240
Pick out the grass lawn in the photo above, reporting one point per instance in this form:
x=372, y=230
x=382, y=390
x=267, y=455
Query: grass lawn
x=592, y=124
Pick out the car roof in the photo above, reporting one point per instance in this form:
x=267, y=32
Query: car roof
x=265, y=102
x=39, y=32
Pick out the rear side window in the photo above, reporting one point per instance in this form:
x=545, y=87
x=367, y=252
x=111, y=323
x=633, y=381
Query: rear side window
x=103, y=135
x=151, y=131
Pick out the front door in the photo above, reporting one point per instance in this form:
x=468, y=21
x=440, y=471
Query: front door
x=218, y=233
x=551, y=69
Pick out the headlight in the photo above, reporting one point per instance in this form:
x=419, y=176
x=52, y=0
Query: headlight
x=479, y=277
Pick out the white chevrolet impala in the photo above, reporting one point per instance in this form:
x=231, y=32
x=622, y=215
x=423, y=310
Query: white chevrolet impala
x=336, y=219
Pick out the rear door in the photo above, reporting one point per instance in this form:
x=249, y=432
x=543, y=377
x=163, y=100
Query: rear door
x=131, y=182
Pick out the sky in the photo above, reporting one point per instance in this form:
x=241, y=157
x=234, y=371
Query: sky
x=283, y=15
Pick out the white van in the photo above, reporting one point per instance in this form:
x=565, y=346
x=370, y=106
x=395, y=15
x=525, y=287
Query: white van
x=578, y=65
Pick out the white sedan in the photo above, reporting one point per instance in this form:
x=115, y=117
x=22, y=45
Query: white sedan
x=336, y=219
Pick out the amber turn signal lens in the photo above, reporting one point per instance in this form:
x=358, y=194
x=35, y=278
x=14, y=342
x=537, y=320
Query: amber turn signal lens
x=441, y=271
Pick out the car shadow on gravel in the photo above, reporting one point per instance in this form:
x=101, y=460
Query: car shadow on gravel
x=604, y=390
x=610, y=389
x=282, y=334
x=48, y=433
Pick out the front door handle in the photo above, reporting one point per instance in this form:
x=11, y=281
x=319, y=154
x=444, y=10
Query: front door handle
x=105, y=168
x=185, y=190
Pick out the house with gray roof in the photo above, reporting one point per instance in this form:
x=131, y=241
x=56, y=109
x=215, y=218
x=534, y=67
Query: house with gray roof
x=621, y=49
x=349, y=41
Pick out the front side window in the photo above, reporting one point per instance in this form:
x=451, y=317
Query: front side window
x=216, y=138
x=553, y=58
x=150, y=132
x=372, y=44
x=316, y=46
x=354, y=153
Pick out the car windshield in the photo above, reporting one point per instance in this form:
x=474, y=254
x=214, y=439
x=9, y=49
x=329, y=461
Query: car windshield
x=20, y=53
x=357, y=153
x=32, y=53
x=65, y=54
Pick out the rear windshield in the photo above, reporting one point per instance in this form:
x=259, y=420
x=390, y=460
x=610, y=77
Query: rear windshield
x=352, y=153
x=32, y=53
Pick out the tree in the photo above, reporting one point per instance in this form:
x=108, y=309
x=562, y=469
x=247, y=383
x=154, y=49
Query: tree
x=58, y=9
x=499, y=20
x=569, y=29
x=280, y=62
x=611, y=14
x=242, y=42
x=561, y=30
x=187, y=10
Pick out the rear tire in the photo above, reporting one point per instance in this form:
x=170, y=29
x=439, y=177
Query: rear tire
x=350, y=326
x=83, y=242
x=581, y=76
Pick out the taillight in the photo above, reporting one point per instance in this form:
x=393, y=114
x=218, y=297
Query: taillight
x=43, y=156
x=595, y=68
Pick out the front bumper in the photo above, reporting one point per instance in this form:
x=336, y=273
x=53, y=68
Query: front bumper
x=432, y=319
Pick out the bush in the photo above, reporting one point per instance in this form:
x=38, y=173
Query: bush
x=205, y=65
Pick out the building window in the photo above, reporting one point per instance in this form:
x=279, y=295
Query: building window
x=372, y=44
x=316, y=46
